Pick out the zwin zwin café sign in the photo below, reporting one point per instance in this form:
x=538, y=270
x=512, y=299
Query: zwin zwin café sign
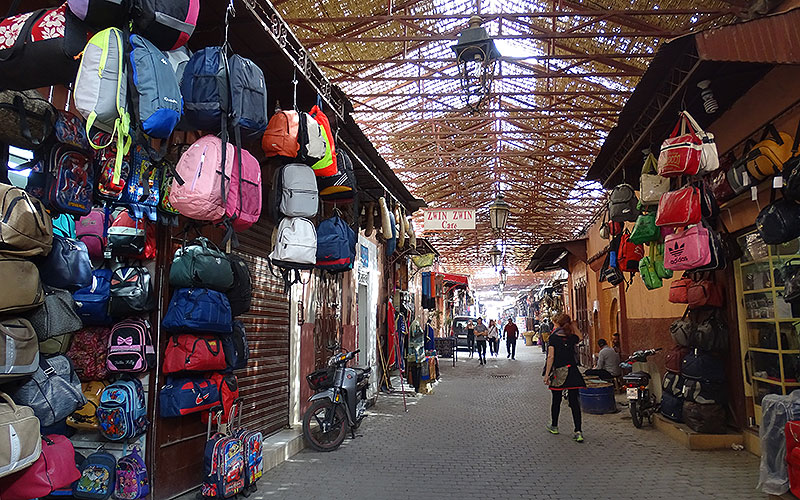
x=437, y=219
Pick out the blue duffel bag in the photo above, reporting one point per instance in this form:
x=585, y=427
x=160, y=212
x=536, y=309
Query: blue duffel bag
x=198, y=310
x=91, y=302
x=182, y=396
x=672, y=407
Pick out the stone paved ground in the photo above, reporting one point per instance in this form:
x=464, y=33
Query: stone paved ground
x=481, y=436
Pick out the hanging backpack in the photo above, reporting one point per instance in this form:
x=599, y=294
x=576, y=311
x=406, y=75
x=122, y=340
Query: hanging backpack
x=167, y=23
x=197, y=192
x=294, y=192
x=156, y=94
x=101, y=92
x=142, y=185
x=223, y=467
x=236, y=348
x=123, y=410
x=101, y=14
x=281, y=136
x=342, y=185
x=243, y=205
x=27, y=292
x=132, y=480
x=26, y=229
x=183, y=396
x=91, y=302
x=311, y=138
x=240, y=295
x=89, y=353
x=91, y=231
x=130, y=347
x=26, y=119
x=336, y=245
x=198, y=310
x=629, y=254
x=106, y=188
x=70, y=181
x=192, y=353
x=248, y=91
x=205, y=89
x=97, y=477
x=622, y=204
x=67, y=265
x=327, y=165
x=21, y=347
x=296, y=244
x=54, y=391
x=132, y=238
x=200, y=264
x=130, y=292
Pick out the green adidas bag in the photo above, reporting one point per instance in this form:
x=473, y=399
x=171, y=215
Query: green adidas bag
x=645, y=229
x=658, y=262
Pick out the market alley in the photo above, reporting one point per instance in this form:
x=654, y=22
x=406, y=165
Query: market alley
x=482, y=435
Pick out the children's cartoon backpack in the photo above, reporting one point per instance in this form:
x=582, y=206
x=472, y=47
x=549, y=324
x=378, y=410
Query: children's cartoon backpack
x=142, y=185
x=97, y=477
x=123, y=411
x=132, y=481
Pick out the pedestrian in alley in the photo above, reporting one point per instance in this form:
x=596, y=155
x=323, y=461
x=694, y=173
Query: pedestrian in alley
x=471, y=337
x=561, y=373
x=494, y=340
x=481, y=336
x=511, y=332
x=545, y=327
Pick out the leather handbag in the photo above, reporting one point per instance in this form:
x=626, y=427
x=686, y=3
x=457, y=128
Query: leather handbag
x=67, y=266
x=645, y=229
x=194, y=353
x=688, y=249
x=709, y=158
x=705, y=293
x=54, y=469
x=651, y=185
x=679, y=290
x=26, y=119
x=56, y=316
x=26, y=40
x=201, y=264
x=779, y=221
x=680, y=207
x=769, y=154
x=681, y=153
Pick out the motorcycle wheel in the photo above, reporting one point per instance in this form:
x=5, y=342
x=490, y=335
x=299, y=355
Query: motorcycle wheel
x=636, y=415
x=314, y=419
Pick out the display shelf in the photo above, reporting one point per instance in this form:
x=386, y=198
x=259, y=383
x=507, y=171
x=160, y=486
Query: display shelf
x=761, y=290
x=768, y=381
x=775, y=351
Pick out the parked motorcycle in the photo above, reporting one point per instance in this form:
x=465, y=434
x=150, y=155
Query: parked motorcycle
x=339, y=403
x=641, y=399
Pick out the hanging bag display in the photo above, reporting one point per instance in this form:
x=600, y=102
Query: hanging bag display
x=198, y=310
x=681, y=329
x=294, y=192
x=236, y=348
x=311, y=138
x=679, y=290
x=645, y=229
x=687, y=250
x=188, y=352
x=709, y=158
x=769, y=154
x=648, y=271
x=296, y=244
x=183, y=396
x=336, y=245
x=132, y=238
x=201, y=264
x=681, y=153
x=26, y=118
x=243, y=203
x=658, y=262
x=629, y=254
x=26, y=229
x=652, y=185
x=622, y=204
x=679, y=208
x=341, y=186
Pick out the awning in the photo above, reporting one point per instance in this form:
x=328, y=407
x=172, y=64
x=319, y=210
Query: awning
x=454, y=279
x=552, y=256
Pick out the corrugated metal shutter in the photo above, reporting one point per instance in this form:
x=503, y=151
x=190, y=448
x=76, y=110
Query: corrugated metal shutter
x=264, y=385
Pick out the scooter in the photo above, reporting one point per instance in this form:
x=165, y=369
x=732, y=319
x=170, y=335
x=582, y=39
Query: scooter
x=641, y=399
x=339, y=403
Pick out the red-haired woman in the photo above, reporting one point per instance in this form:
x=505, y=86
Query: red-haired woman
x=561, y=373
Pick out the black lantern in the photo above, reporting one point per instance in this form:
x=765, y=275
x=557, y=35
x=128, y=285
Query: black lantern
x=476, y=54
x=494, y=254
x=503, y=276
x=498, y=213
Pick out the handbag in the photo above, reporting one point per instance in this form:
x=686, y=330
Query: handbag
x=201, y=264
x=56, y=316
x=718, y=183
x=647, y=269
x=67, y=266
x=718, y=257
x=658, y=262
x=26, y=119
x=680, y=207
x=54, y=469
x=651, y=185
x=26, y=40
x=769, y=154
x=688, y=249
x=681, y=329
x=558, y=377
x=679, y=290
x=709, y=158
x=645, y=229
x=681, y=153
x=779, y=221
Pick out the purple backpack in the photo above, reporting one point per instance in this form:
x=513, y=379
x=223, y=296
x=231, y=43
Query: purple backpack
x=131, y=482
x=91, y=230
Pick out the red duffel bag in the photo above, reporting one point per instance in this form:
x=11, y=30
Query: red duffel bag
x=679, y=290
x=680, y=154
x=55, y=469
x=679, y=208
x=194, y=353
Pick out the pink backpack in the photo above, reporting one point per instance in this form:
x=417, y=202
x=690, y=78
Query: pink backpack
x=91, y=230
x=199, y=196
x=244, y=196
x=688, y=249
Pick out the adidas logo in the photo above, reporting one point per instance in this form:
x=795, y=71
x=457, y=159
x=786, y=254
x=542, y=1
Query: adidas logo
x=677, y=250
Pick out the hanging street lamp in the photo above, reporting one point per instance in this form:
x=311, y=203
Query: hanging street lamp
x=476, y=54
x=503, y=276
x=494, y=254
x=498, y=213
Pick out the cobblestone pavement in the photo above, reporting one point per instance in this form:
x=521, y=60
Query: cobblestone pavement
x=481, y=435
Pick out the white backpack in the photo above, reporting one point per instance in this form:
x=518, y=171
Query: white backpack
x=312, y=145
x=295, y=249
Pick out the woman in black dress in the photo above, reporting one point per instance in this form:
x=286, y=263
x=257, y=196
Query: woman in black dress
x=561, y=373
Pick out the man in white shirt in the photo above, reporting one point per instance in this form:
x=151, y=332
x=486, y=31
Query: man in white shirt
x=607, y=366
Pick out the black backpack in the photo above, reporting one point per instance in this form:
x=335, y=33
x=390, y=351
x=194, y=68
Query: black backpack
x=131, y=292
x=342, y=185
x=240, y=295
x=622, y=204
x=235, y=347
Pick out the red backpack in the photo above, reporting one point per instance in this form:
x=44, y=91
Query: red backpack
x=629, y=254
x=320, y=118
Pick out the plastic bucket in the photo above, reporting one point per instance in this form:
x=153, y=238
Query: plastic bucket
x=599, y=399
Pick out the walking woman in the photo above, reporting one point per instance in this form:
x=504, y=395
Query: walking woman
x=561, y=373
x=471, y=337
x=480, y=340
x=494, y=340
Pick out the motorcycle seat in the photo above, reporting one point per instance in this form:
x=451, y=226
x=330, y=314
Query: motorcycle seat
x=362, y=372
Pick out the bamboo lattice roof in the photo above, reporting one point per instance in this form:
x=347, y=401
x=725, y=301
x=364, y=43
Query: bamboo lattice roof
x=566, y=69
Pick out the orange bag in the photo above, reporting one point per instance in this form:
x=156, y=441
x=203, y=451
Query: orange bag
x=280, y=138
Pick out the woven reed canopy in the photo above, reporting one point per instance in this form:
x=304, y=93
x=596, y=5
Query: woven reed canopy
x=565, y=70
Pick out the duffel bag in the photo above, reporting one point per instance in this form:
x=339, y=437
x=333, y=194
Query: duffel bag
x=671, y=406
x=130, y=347
x=201, y=264
x=240, y=295
x=26, y=229
x=682, y=152
x=673, y=384
x=700, y=365
x=89, y=352
x=54, y=469
x=710, y=334
x=198, y=310
x=26, y=119
x=168, y=24
x=705, y=293
x=705, y=419
x=193, y=353
x=56, y=316
x=131, y=292
x=679, y=290
x=681, y=329
x=67, y=266
x=674, y=358
x=182, y=396
x=85, y=417
x=24, y=443
x=26, y=40
x=101, y=14
x=23, y=290
x=779, y=221
x=702, y=392
x=54, y=391
x=91, y=302
x=679, y=208
x=19, y=350
x=688, y=249
x=236, y=348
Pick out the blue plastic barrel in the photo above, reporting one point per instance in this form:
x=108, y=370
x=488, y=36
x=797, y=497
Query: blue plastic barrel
x=598, y=400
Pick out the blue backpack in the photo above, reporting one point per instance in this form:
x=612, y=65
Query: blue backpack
x=235, y=347
x=155, y=89
x=132, y=481
x=97, y=477
x=336, y=245
x=205, y=89
x=91, y=302
x=200, y=310
x=141, y=193
x=224, y=467
x=248, y=91
x=122, y=412
x=391, y=243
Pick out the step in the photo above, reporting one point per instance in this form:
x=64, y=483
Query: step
x=694, y=440
x=281, y=446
